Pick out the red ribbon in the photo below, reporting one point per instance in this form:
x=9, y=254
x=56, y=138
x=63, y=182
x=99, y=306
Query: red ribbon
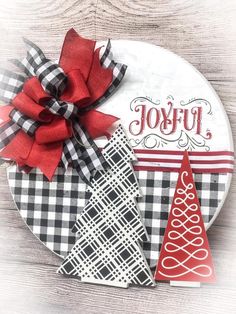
x=87, y=81
x=4, y=114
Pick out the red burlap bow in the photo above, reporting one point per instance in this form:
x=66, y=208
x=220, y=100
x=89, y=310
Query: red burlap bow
x=87, y=81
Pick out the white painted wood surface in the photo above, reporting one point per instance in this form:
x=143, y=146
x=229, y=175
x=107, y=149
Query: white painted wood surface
x=204, y=33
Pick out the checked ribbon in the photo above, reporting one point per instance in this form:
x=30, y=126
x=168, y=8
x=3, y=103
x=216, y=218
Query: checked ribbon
x=49, y=116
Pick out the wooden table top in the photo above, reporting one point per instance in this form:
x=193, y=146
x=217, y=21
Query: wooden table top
x=202, y=32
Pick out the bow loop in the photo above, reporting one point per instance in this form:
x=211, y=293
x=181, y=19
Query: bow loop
x=28, y=125
x=58, y=130
x=34, y=90
x=49, y=73
x=51, y=77
x=30, y=108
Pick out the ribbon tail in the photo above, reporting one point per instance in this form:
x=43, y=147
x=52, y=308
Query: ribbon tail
x=77, y=53
x=99, y=80
x=10, y=85
x=45, y=157
x=34, y=57
x=72, y=155
x=83, y=154
x=118, y=71
x=18, y=148
x=8, y=131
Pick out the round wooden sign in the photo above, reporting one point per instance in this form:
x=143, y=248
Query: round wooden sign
x=166, y=107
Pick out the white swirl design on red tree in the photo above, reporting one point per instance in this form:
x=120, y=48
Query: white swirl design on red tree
x=189, y=215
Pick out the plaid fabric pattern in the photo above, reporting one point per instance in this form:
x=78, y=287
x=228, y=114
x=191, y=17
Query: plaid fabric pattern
x=83, y=154
x=118, y=155
x=10, y=85
x=7, y=133
x=125, y=217
x=118, y=150
x=115, y=261
x=110, y=224
x=50, y=209
x=118, y=75
x=28, y=125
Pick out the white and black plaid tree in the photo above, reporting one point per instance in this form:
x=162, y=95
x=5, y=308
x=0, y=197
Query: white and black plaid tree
x=110, y=226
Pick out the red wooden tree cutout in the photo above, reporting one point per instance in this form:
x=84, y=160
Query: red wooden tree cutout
x=185, y=254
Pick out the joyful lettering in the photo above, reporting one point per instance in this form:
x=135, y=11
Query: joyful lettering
x=167, y=120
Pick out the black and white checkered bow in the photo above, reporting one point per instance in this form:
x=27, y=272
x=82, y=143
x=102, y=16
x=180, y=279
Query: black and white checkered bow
x=80, y=151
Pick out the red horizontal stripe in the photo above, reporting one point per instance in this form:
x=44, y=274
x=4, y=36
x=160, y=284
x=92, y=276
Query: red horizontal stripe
x=225, y=161
x=167, y=169
x=180, y=153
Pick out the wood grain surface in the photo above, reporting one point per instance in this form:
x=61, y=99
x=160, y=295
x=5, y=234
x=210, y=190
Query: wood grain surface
x=204, y=33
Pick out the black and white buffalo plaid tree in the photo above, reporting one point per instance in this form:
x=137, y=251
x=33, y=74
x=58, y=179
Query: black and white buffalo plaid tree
x=110, y=226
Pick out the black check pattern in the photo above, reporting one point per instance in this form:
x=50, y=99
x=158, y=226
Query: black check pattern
x=28, y=125
x=10, y=85
x=7, y=133
x=49, y=73
x=52, y=77
x=62, y=108
x=118, y=70
x=110, y=226
x=83, y=154
x=34, y=58
x=50, y=209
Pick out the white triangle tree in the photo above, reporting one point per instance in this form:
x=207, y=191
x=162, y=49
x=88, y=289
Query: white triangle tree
x=110, y=227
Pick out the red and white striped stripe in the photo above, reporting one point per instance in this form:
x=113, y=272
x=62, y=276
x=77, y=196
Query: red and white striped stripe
x=201, y=162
